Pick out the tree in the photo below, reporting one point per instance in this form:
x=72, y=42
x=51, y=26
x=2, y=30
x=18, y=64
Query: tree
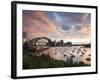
x=25, y=35
x=61, y=43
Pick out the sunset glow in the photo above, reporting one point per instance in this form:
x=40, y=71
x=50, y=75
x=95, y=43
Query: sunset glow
x=67, y=26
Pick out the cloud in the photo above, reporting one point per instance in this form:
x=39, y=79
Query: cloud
x=66, y=27
x=85, y=16
x=38, y=24
x=86, y=29
x=77, y=18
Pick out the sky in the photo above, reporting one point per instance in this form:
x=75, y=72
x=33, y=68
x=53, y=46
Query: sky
x=67, y=26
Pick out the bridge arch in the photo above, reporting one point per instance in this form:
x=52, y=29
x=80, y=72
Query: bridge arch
x=39, y=38
x=40, y=42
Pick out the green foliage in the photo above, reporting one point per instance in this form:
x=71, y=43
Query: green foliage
x=44, y=61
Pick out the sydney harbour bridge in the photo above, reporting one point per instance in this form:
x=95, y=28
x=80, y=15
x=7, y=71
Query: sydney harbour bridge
x=40, y=42
x=45, y=43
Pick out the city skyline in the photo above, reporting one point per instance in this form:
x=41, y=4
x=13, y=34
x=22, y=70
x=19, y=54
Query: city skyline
x=67, y=26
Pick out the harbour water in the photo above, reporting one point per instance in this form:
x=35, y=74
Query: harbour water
x=76, y=54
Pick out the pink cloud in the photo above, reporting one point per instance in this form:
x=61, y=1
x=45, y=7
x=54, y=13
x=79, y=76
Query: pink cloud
x=40, y=25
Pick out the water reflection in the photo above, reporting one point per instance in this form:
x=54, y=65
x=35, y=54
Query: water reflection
x=74, y=54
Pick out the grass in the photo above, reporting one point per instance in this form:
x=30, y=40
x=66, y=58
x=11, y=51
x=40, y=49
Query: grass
x=44, y=61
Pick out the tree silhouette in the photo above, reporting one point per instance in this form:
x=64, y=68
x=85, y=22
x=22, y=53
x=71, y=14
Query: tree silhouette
x=25, y=35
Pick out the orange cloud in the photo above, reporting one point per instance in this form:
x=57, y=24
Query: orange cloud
x=86, y=29
x=37, y=24
x=40, y=25
x=42, y=18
